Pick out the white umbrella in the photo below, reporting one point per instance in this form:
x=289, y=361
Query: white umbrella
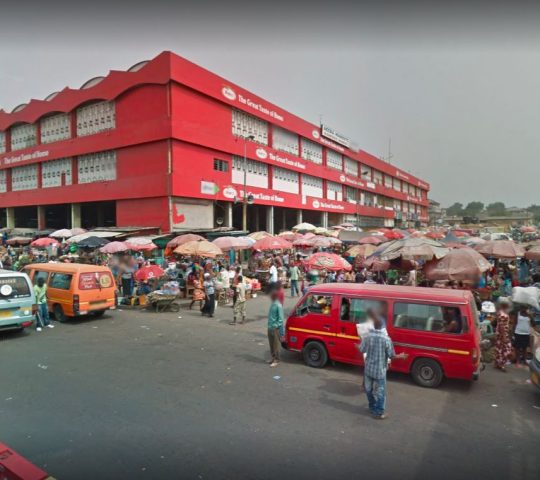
x=304, y=227
x=63, y=233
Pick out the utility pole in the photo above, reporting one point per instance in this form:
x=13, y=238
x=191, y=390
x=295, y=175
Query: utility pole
x=244, y=199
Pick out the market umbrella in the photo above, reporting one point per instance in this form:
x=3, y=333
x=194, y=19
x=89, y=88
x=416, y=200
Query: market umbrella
x=230, y=243
x=320, y=231
x=474, y=241
x=527, y=229
x=202, y=248
x=372, y=239
x=19, y=241
x=458, y=264
x=114, y=247
x=43, y=242
x=181, y=239
x=326, y=261
x=320, y=242
x=290, y=236
x=361, y=250
x=259, y=235
x=347, y=225
x=272, y=243
x=375, y=264
x=92, y=242
x=435, y=235
x=414, y=249
x=500, y=249
x=392, y=234
x=140, y=244
x=247, y=240
x=304, y=227
x=77, y=231
x=63, y=233
x=148, y=272
x=533, y=253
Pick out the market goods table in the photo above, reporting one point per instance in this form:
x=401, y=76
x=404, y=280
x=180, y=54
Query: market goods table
x=140, y=395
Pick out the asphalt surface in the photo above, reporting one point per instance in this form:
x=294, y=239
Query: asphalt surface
x=139, y=395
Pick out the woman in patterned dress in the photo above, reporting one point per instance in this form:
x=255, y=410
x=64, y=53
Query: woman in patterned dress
x=503, y=343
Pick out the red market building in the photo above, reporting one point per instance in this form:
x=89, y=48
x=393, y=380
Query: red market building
x=163, y=145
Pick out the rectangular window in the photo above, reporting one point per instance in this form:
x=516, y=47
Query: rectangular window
x=23, y=136
x=316, y=304
x=334, y=191
x=95, y=118
x=284, y=140
x=2, y=142
x=19, y=288
x=285, y=180
x=38, y=275
x=351, y=167
x=351, y=194
x=24, y=178
x=56, y=173
x=366, y=173
x=363, y=310
x=3, y=181
x=429, y=318
x=334, y=160
x=397, y=184
x=245, y=125
x=311, y=151
x=97, y=167
x=388, y=181
x=312, y=186
x=377, y=177
x=62, y=281
x=256, y=172
x=55, y=128
x=221, y=165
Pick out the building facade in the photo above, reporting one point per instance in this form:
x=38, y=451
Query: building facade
x=171, y=145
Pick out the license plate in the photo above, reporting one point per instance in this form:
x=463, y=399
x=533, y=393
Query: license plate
x=6, y=313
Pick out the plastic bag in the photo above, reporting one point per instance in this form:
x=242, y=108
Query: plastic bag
x=527, y=296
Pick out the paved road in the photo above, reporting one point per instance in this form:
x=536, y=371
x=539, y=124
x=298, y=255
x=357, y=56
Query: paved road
x=136, y=395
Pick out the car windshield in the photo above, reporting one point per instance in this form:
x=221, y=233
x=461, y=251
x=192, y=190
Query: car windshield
x=13, y=287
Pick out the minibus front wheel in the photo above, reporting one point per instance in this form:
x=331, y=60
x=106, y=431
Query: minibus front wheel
x=427, y=372
x=315, y=354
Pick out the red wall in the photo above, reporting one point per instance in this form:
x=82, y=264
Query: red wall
x=147, y=212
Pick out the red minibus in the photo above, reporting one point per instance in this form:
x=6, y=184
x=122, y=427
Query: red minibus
x=437, y=328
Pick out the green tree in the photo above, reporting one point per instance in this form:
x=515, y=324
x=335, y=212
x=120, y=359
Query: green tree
x=496, y=209
x=473, y=209
x=535, y=209
x=455, y=210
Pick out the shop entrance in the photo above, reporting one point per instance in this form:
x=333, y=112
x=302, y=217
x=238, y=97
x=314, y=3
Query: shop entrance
x=98, y=214
x=312, y=216
x=256, y=217
x=3, y=218
x=26, y=217
x=284, y=219
x=58, y=216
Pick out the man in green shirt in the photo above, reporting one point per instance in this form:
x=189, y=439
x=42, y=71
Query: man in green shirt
x=295, y=275
x=43, y=310
x=275, y=324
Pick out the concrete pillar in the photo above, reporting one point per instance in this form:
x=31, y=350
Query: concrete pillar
x=324, y=219
x=10, y=217
x=228, y=215
x=270, y=219
x=75, y=215
x=298, y=217
x=41, y=220
x=257, y=219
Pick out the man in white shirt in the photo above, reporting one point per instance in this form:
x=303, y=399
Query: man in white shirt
x=273, y=277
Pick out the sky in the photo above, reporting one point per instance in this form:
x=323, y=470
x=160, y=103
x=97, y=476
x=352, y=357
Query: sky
x=454, y=86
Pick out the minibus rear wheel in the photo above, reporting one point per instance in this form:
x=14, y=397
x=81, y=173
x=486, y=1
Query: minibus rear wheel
x=315, y=354
x=427, y=372
x=59, y=313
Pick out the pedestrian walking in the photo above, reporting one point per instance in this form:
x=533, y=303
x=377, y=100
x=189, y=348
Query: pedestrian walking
x=522, y=334
x=503, y=344
x=273, y=279
x=378, y=349
x=40, y=290
x=210, y=296
x=275, y=325
x=294, y=272
x=239, y=308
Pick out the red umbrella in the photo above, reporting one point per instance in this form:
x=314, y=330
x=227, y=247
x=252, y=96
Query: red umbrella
x=375, y=264
x=181, y=239
x=459, y=264
x=43, y=242
x=392, y=235
x=272, y=243
x=460, y=233
x=372, y=239
x=327, y=261
x=231, y=243
x=500, y=249
x=114, y=247
x=435, y=235
x=144, y=247
x=148, y=272
x=533, y=253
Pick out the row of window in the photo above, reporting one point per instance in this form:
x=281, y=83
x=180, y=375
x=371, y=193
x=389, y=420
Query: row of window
x=95, y=167
x=246, y=125
x=91, y=119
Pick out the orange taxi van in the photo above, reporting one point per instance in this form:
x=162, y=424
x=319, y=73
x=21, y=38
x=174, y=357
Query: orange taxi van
x=437, y=328
x=75, y=289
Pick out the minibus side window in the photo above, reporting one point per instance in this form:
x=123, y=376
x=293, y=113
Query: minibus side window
x=38, y=275
x=360, y=310
x=429, y=318
x=319, y=304
x=61, y=281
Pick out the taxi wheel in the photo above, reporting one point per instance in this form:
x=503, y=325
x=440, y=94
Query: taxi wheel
x=427, y=373
x=315, y=354
x=99, y=313
x=59, y=313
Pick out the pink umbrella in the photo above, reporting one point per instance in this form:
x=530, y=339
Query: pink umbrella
x=327, y=261
x=375, y=264
x=114, y=247
x=533, y=253
x=458, y=264
x=150, y=271
x=500, y=249
x=372, y=239
x=181, y=239
x=146, y=247
x=272, y=243
x=231, y=243
x=317, y=241
x=43, y=242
